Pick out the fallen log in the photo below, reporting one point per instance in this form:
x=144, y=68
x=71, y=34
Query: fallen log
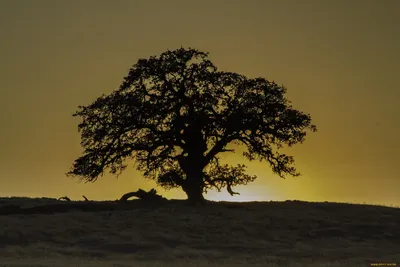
x=143, y=195
x=65, y=198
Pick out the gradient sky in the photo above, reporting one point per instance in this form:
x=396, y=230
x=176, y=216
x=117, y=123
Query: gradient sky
x=339, y=59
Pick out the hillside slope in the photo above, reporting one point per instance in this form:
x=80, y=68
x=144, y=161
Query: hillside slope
x=171, y=232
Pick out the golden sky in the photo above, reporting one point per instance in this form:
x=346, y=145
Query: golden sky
x=339, y=59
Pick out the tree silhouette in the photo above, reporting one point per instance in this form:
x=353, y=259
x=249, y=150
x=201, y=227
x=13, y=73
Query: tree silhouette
x=174, y=114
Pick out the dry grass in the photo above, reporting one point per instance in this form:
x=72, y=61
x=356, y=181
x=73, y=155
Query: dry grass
x=170, y=233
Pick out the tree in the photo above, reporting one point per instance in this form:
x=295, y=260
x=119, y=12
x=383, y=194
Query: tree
x=176, y=113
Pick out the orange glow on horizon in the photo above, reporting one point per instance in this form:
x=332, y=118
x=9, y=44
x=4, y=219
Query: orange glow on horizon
x=338, y=60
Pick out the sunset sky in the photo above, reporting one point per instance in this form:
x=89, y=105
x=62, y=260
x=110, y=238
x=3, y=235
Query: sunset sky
x=339, y=59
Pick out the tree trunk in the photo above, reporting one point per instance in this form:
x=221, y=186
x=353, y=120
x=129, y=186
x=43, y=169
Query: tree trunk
x=194, y=194
x=194, y=163
x=193, y=187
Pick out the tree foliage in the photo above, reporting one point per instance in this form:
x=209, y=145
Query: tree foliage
x=176, y=113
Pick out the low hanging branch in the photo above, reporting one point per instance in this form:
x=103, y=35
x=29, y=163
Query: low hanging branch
x=227, y=176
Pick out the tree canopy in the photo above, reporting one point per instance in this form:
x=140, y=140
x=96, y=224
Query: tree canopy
x=176, y=113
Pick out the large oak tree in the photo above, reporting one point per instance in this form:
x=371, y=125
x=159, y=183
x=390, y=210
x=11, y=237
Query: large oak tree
x=176, y=113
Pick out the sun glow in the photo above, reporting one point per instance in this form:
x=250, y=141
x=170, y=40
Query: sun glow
x=245, y=196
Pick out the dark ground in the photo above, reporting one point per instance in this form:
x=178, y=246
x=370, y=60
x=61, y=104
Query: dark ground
x=47, y=232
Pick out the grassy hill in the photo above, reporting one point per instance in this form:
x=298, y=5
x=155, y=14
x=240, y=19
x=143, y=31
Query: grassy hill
x=47, y=232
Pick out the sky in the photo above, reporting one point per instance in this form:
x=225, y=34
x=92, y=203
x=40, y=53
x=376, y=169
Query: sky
x=339, y=60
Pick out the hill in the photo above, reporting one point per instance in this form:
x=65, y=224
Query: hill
x=48, y=232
